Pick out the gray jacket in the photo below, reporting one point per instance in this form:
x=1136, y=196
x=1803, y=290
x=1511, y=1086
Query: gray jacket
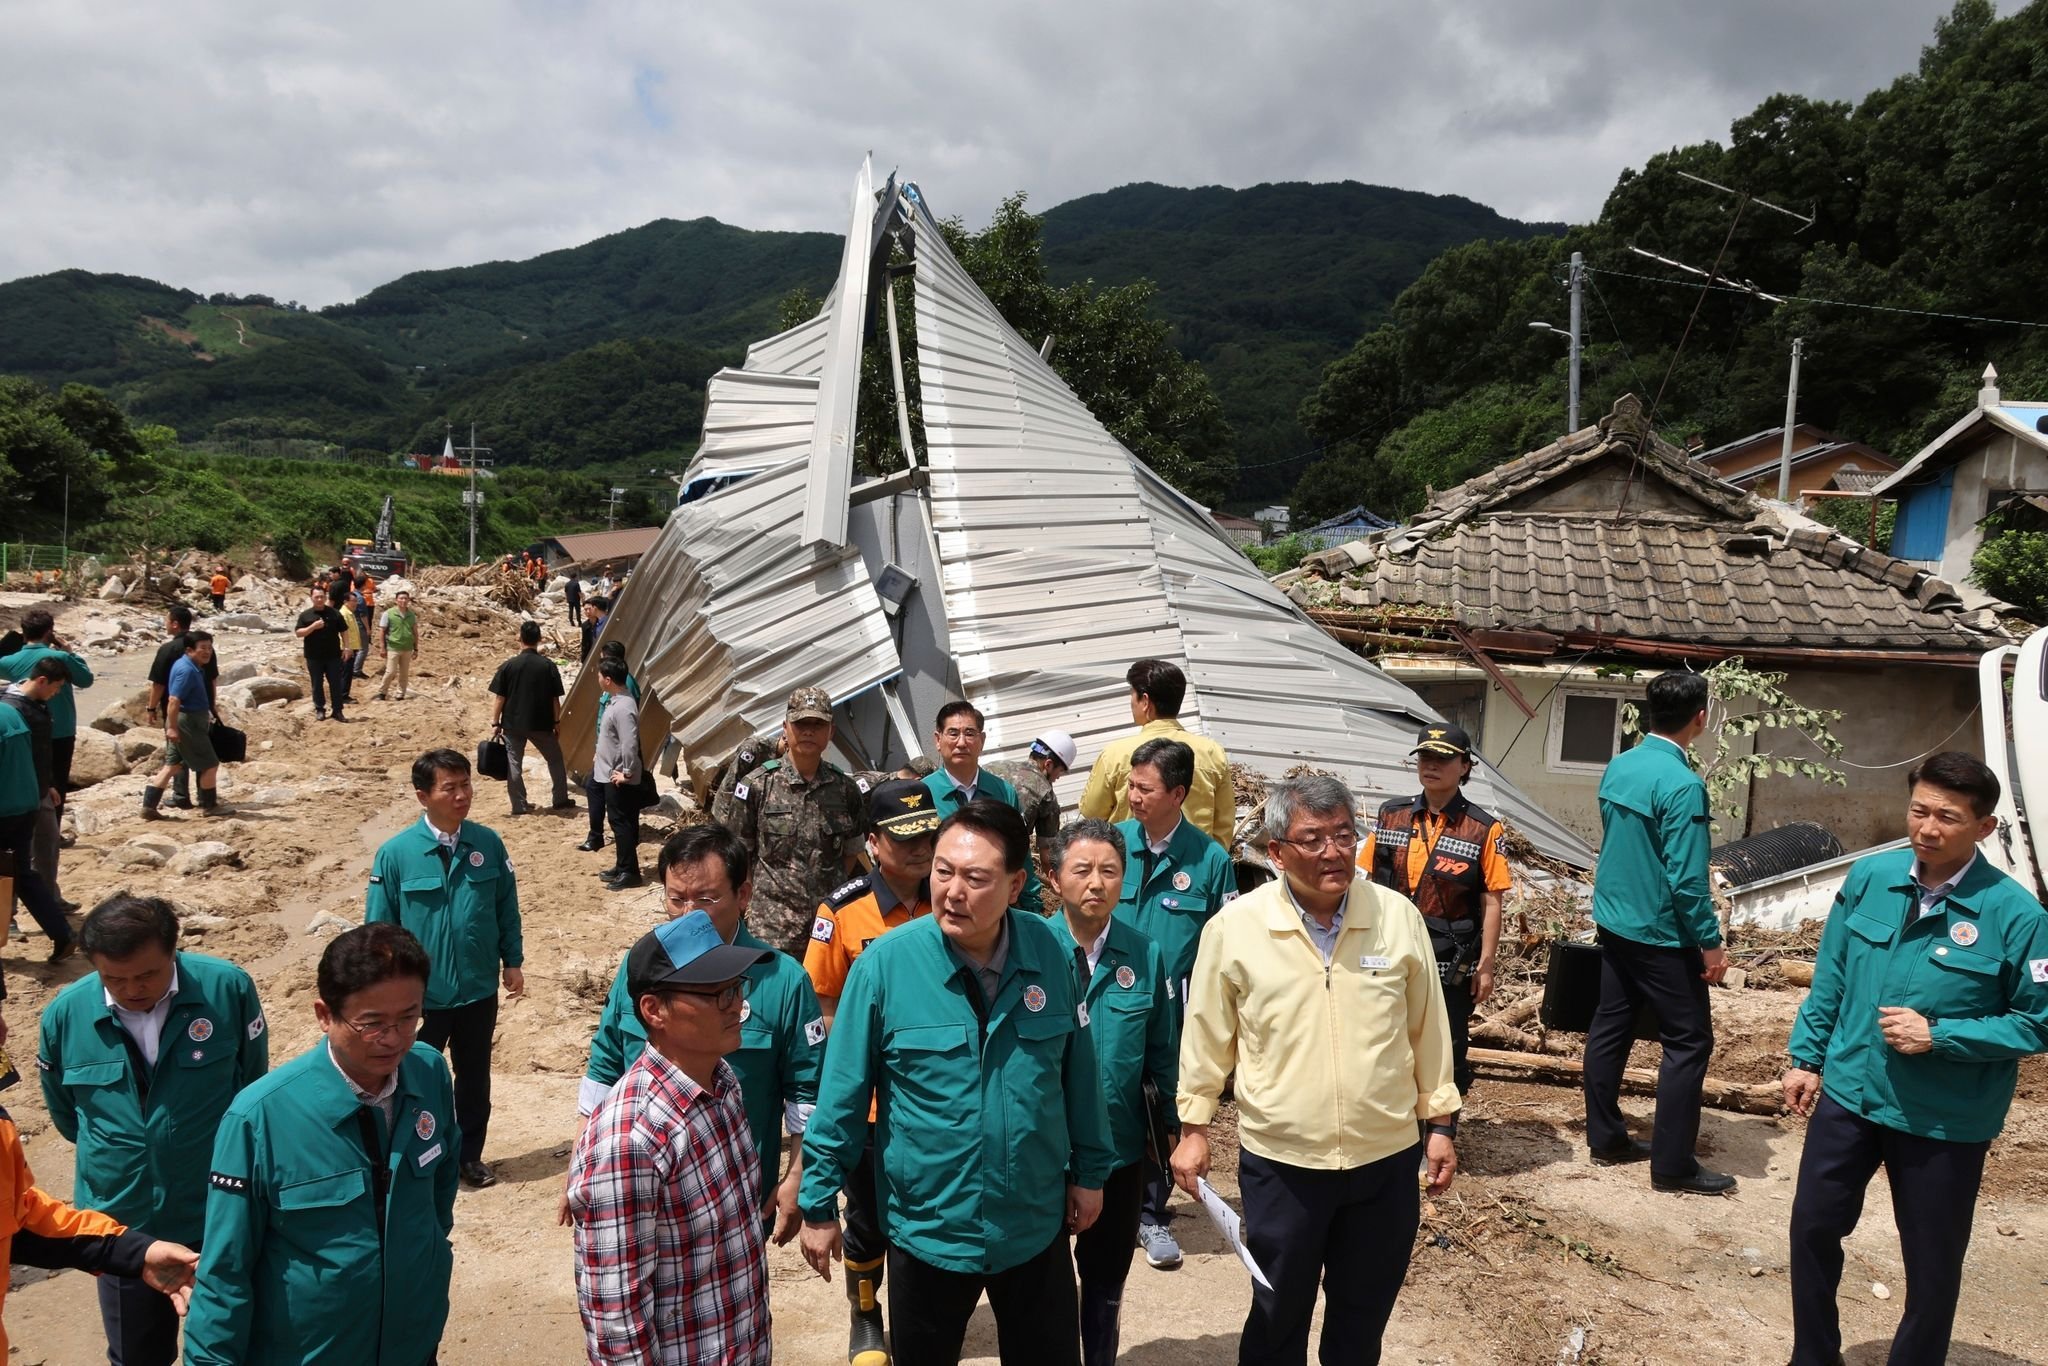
x=618, y=741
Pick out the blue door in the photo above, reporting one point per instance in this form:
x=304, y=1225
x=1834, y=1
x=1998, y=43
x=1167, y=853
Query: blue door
x=1921, y=532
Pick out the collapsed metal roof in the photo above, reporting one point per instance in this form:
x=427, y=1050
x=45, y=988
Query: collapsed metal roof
x=1024, y=566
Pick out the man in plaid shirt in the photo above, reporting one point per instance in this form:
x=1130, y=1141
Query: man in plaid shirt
x=663, y=1189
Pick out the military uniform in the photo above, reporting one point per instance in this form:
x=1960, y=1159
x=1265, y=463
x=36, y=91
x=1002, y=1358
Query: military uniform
x=462, y=904
x=326, y=1228
x=802, y=835
x=1037, y=803
x=1136, y=1024
x=1974, y=962
x=987, y=1109
x=782, y=1039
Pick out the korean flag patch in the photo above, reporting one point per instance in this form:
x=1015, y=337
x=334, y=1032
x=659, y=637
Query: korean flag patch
x=821, y=930
x=2037, y=968
x=256, y=1027
x=814, y=1033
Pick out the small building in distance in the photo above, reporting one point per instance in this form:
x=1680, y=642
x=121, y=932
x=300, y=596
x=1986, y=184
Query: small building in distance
x=1819, y=460
x=1995, y=454
x=1350, y=525
x=613, y=550
x=1240, y=530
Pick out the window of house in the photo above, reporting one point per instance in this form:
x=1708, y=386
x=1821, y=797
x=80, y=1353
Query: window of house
x=1585, y=730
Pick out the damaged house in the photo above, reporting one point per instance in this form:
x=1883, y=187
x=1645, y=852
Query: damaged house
x=1526, y=604
x=1017, y=556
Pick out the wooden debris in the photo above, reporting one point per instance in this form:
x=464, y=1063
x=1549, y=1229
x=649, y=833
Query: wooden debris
x=1761, y=1098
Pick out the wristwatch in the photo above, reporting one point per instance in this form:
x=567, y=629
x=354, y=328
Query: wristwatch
x=1448, y=1128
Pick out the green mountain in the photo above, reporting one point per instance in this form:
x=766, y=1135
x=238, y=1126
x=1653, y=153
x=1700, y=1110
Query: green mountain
x=600, y=351
x=1266, y=286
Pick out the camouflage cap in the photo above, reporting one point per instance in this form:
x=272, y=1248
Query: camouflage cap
x=810, y=704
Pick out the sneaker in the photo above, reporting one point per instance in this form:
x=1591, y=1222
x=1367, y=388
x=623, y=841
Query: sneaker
x=1160, y=1249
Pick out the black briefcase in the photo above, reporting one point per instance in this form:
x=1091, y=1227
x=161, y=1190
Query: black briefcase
x=491, y=760
x=1571, y=991
x=230, y=746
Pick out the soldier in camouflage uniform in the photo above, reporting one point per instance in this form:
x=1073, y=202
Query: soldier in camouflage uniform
x=1052, y=755
x=801, y=818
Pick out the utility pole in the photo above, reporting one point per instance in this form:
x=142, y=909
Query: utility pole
x=1791, y=411
x=472, y=456
x=611, y=509
x=1578, y=278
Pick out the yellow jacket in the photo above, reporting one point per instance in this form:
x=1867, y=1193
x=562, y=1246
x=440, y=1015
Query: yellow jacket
x=1335, y=1063
x=1212, y=801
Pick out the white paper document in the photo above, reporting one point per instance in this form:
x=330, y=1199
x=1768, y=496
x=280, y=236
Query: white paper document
x=1233, y=1230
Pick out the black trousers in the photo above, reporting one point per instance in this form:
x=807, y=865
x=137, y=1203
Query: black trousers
x=864, y=1239
x=1102, y=1258
x=1033, y=1302
x=142, y=1327
x=329, y=677
x=1458, y=1001
x=62, y=748
x=594, y=793
x=1352, y=1231
x=1668, y=981
x=624, y=815
x=466, y=1031
x=1934, y=1196
x=17, y=837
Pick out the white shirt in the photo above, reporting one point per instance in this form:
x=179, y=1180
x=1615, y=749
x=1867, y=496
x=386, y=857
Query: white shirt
x=385, y=1099
x=146, y=1027
x=1325, y=940
x=1158, y=846
x=446, y=840
x=968, y=790
x=1932, y=897
x=1095, y=949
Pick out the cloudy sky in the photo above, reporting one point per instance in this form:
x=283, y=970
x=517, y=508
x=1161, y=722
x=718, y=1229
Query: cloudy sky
x=315, y=151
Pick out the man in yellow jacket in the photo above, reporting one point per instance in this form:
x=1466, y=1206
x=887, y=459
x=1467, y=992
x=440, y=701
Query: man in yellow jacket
x=1157, y=690
x=1320, y=992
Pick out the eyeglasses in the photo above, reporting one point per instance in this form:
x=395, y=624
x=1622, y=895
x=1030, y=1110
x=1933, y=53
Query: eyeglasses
x=960, y=735
x=722, y=999
x=404, y=1024
x=1340, y=839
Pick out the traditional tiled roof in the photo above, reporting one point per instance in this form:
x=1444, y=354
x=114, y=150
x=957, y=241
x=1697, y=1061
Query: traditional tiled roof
x=1659, y=551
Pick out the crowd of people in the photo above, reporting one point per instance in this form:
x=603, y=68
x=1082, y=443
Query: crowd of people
x=955, y=1045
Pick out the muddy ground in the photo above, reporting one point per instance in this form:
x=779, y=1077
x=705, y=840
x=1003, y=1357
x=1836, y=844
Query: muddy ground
x=1532, y=1257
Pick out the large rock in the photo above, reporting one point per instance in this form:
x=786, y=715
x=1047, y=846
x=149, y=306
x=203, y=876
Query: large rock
x=244, y=621
x=137, y=747
x=95, y=759
x=197, y=858
x=128, y=713
x=254, y=692
x=113, y=590
x=239, y=671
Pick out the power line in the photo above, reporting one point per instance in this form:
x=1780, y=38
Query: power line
x=1832, y=303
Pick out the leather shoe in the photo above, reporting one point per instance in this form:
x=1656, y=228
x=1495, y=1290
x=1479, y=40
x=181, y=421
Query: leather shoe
x=477, y=1175
x=590, y=846
x=618, y=879
x=1634, y=1151
x=1701, y=1182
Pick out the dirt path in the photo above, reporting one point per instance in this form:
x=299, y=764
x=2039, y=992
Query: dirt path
x=1530, y=1245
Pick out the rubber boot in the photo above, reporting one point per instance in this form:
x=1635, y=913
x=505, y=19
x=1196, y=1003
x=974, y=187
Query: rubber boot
x=1099, y=1329
x=865, y=1343
x=151, y=796
x=209, y=802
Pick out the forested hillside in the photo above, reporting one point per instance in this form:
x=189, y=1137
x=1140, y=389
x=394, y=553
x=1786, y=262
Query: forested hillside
x=1924, y=261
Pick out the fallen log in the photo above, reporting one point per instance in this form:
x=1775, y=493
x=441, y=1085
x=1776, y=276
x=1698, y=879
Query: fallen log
x=1520, y=1013
x=1797, y=971
x=1513, y=1040
x=1760, y=1098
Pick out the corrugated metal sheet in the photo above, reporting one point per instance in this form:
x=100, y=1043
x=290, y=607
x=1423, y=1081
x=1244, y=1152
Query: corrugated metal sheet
x=753, y=421
x=730, y=612
x=608, y=545
x=799, y=351
x=830, y=476
x=1045, y=559
x=1276, y=691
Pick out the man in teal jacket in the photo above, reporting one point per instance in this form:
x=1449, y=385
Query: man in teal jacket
x=38, y=628
x=139, y=1060
x=958, y=736
x=1176, y=877
x=1930, y=985
x=782, y=1030
x=991, y=1138
x=449, y=881
x=333, y=1184
x=20, y=796
x=1660, y=939
x=1136, y=1024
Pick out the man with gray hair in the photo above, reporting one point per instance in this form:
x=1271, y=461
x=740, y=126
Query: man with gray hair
x=1327, y=1135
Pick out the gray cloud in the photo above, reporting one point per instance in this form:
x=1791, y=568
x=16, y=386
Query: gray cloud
x=316, y=154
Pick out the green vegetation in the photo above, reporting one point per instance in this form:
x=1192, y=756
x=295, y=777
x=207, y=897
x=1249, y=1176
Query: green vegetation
x=1912, y=192
x=2013, y=565
x=1851, y=517
x=1279, y=556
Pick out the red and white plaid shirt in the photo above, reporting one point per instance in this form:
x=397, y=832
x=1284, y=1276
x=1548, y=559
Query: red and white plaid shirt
x=663, y=1189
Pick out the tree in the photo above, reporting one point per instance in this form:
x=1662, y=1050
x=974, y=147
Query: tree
x=40, y=450
x=2013, y=565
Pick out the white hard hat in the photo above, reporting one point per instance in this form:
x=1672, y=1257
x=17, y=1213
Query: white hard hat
x=1059, y=745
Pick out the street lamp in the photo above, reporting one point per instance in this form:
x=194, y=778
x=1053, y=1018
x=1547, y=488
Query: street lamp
x=1577, y=271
